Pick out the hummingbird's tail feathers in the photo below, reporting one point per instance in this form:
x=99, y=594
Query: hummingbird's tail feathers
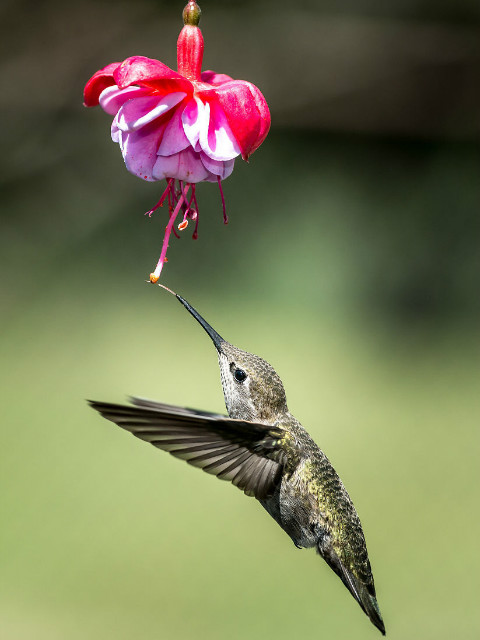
x=369, y=604
x=364, y=593
x=373, y=612
x=236, y=450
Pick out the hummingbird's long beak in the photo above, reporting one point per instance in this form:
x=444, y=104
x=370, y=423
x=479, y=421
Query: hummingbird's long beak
x=217, y=340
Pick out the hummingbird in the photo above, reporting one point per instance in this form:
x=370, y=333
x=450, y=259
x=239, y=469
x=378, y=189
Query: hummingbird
x=262, y=449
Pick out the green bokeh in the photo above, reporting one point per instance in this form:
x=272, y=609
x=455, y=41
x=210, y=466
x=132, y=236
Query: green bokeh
x=104, y=536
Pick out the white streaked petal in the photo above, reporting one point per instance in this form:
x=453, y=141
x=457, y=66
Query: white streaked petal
x=138, y=112
x=194, y=119
x=112, y=98
x=217, y=140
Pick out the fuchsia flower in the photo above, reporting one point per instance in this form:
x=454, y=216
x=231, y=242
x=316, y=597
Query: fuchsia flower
x=185, y=126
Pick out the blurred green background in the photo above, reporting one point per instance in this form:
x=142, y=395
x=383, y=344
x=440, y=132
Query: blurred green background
x=351, y=263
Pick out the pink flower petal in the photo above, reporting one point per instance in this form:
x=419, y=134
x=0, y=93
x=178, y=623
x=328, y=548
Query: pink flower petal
x=174, y=138
x=216, y=139
x=148, y=72
x=98, y=82
x=138, y=112
x=247, y=113
x=194, y=119
x=115, y=131
x=139, y=150
x=112, y=98
x=185, y=165
x=217, y=167
x=215, y=78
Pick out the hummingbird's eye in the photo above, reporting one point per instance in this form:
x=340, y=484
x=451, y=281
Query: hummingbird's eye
x=240, y=375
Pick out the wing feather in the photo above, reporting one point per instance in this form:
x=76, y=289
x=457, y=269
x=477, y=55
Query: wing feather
x=243, y=452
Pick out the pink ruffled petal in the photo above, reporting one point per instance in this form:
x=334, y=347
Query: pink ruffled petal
x=150, y=73
x=138, y=112
x=185, y=165
x=247, y=113
x=174, y=138
x=217, y=140
x=139, y=150
x=215, y=78
x=115, y=131
x=112, y=98
x=218, y=168
x=97, y=83
x=194, y=119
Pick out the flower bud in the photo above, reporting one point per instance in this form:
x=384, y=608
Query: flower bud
x=191, y=14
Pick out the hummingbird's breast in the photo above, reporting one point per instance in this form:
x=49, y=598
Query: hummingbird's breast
x=294, y=506
x=311, y=500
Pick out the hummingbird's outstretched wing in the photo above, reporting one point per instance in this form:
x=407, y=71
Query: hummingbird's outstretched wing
x=246, y=453
x=163, y=406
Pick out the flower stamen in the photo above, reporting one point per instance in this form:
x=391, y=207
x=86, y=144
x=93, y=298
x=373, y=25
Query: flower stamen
x=225, y=217
x=190, y=202
x=168, y=230
x=196, y=218
x=162, y=199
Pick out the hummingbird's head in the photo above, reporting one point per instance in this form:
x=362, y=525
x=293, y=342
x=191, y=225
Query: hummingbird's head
x=251, y=387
